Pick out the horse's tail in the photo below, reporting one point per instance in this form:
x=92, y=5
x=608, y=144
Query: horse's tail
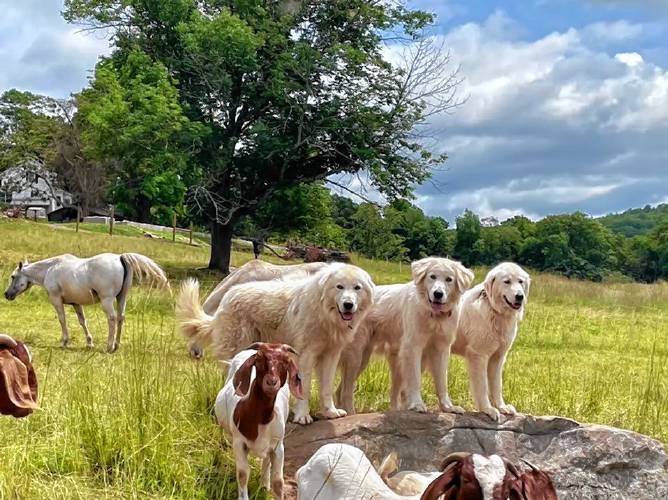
x=143, y=267
x=193, y=322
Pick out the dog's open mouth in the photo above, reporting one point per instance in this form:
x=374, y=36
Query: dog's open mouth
x=437, y=307
x=346, y=316
x=514, y=305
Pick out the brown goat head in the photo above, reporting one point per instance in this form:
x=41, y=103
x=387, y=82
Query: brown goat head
x=18, y=382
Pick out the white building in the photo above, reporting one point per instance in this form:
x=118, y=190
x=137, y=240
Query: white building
x=22, y=187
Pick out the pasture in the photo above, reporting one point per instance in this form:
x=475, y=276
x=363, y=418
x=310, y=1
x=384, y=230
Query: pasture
x=139, y=424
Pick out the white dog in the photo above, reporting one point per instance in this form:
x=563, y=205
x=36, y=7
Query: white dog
x=253, y=270
x=410, y=323
x=318, y=316
x=490, y=313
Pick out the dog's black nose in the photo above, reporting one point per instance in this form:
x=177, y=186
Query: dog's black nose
x=348, y=306
x=438, y=294
x=519, y=297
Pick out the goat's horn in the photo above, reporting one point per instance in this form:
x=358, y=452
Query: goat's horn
x=254, y=346
x=511, y=467
x=533, y=467
x=290, y=349
x=7, y=341
x=454, y=457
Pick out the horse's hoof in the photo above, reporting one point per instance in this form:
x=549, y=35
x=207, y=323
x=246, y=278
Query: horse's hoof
x=112, y=349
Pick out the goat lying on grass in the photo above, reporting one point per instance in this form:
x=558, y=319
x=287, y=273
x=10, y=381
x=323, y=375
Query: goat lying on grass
x=253, y=407
x=18, y=382
x=342, y=472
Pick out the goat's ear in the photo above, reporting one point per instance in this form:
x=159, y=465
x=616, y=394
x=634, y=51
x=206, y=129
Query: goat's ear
x=464, y=277
x=533, y=484
x=242, y=377
x=443, y=484
x=15, y=398
x=294, y=380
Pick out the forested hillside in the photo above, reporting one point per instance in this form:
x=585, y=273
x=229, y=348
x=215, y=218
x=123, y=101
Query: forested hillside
x=636, y=221
x=574, y=245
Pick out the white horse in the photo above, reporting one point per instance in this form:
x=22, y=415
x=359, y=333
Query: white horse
x=77, y=282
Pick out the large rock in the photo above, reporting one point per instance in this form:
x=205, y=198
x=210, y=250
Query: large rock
x=585, y=461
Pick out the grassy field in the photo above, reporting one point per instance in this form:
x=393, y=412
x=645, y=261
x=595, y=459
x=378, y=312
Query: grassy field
x=138, y=424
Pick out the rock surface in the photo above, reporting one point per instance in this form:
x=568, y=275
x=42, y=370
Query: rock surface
x=585, y=461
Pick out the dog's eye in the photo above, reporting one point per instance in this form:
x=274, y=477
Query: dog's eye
x=521, y=282
x=506, y=281
x=357, y=287
x=340, y=287
x=448, y=279
x=433, y=276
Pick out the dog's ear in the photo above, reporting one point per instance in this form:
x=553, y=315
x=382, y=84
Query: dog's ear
x=488, y=285
x=242, y=376
x=526, y=286
x=294, y=380
x=464, y=277
x=419, y=269
x=369, y=288
x=16, y=397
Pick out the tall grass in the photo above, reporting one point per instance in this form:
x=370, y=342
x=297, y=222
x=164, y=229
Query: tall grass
x=139, y=423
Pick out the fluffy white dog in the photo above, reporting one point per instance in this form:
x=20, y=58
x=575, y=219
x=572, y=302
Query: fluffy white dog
x=318, y=316
x=410, y=323
x=490, y=313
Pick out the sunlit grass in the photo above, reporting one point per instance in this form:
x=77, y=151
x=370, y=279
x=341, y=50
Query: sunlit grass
x=139, y=424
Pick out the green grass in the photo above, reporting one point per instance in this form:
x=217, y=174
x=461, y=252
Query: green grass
x=138, y=424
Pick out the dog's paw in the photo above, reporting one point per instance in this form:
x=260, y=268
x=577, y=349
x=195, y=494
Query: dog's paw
x=303, y=419
x=508, y=410
x=64, y=343
x=90, y=345
x=451, y=408
x=492, y=413
x=112, y=348
x=331, y=413
x=418, y=406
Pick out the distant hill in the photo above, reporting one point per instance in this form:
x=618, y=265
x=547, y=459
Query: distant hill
x=635, y=221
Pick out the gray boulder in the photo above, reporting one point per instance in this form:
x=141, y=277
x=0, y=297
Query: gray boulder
x=585, y=461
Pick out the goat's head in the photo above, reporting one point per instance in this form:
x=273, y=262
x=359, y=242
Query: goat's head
x=18, y=383
x=274, y=366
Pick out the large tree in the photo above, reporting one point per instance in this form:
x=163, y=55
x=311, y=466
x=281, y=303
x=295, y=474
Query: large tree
x=289, y=91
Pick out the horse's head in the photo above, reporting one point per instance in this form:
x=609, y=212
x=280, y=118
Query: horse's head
x=20, y=282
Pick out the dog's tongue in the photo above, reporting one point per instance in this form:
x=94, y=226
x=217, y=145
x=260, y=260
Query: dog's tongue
x=348, y=316
x=436, y=307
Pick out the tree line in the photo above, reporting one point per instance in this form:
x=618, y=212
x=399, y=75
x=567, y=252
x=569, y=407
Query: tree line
x=574, y=245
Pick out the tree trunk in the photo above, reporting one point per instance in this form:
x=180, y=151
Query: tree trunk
x=221, y=247
x=143, y=209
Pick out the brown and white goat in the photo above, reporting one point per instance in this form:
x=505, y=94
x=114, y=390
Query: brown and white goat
x=18, y=382
x=469, y=476
x=253, y=407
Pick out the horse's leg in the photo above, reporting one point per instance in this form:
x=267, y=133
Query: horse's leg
x=108, y=306
x=57, y=302
x=82, y=321
x=121, y=300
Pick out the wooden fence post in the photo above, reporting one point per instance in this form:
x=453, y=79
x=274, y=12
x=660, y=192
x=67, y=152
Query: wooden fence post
x=174, y=227
x=111, y=222
x=191, y=235
x=78, y=216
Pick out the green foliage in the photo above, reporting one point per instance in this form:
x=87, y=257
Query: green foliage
x=265, y=81
x=637, y=221
x=468, y=234
x=373, y=235
x=131, y=114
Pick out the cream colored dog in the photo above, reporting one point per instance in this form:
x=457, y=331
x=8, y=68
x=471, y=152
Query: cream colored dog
x=317, y=316
x=253, y=270
x=490, y=313
x=410, y=323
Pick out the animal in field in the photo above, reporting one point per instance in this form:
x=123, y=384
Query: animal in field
x=404, y=482
x=488, y=323
x=69, y=280
x=413, y=324
x=18, y=382
x=317, y=315
x=254, y=270
x=253, y=408
x=470, y=476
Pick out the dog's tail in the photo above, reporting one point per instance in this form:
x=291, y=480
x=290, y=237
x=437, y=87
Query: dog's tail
x=193, y=322
x=144, y=268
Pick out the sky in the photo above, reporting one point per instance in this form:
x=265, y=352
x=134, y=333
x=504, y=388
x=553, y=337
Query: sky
x=566, y=101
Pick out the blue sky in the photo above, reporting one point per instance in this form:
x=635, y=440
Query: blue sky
x=567, y=101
